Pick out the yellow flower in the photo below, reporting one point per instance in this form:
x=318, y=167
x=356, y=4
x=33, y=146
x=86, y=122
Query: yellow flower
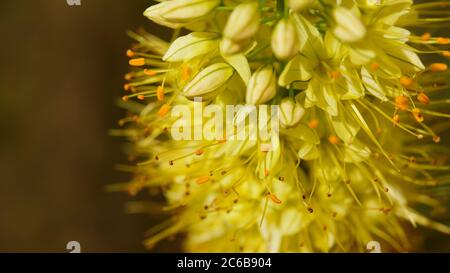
x=361, y=108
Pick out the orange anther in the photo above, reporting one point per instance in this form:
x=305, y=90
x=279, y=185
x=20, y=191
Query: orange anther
x=423, y=98
x=160, y=93
x=438, y=67
x=163, y=110
x=137, y=62
x=274, y=198
x=333, y=139
x=402, y=102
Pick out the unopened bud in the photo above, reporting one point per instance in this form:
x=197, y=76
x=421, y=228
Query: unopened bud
x=262, y=86
x=349, y=27
x=291, y=112
x=177, y=13
x=243, y=22
x=285, y=40
x=208, y=82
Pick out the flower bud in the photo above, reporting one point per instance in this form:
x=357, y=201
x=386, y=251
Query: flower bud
x=229, y=47
x=290, y=112
x=177, y=13
x=262, y=86
x=298, y=5
x=208, y=82
x=243, y=22
x=285, y=40
x=349, y=27
x=191, y=46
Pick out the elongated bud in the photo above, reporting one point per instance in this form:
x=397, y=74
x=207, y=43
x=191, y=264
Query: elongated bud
x=291, y=112
x=262, y=86
x=191, y=46
x=229, y=47
x=208, y=82
x=177, y=13
x=299, y=5
x=285, y=40
x=349, y=27
x=243, y=22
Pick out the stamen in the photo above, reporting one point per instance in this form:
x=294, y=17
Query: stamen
x=375, y=66
x=185, y=72
x=406, y=81
x=274, y=198
x=335, y=74
x=137, y=62
x=334, y=139
x=130, y=53
x=149, y=72
x=438, y=67
x=417, y=115
x=446, y=53
x=163, y=110
x=423, y=98
x=313, y=124
x=160, y=93
x=443, y=41
x=425, y=37
x=402, y=102
x=202, y=179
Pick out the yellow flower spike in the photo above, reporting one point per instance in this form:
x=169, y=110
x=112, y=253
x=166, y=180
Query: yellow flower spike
x=343, y=88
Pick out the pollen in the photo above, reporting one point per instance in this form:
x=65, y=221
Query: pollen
x=443, y=41
x=274, y=198
x=185, y=72
x=417, y=115
x=406, y=81
x=130, y=53
x=160, y=93
x=335, y=74
x=423, y=98
x=202, y=179
x=137, y=62
x=438, y=67
x=402, y=102
x=313, y=124
x=425, y=37
x=163, y=110
x=149, y=72
x=333, y=139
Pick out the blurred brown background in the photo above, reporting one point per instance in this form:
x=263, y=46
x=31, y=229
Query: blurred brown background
x=61, y=70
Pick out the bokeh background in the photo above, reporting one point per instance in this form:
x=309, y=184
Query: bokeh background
x=61, y=69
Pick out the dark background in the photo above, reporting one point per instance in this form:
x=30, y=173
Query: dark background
x=61, y=69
